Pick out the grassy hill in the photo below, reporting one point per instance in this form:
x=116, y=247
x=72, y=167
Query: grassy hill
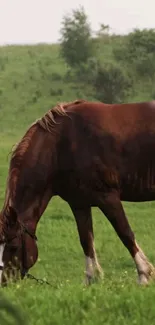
x=33, y=79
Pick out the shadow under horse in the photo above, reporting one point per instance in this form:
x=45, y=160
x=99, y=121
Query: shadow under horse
x=90, y=154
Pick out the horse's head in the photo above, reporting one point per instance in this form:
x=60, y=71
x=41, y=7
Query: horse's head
x=18, y=249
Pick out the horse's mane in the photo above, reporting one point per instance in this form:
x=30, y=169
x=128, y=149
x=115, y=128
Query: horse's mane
x=48, y=123
x=17, y=157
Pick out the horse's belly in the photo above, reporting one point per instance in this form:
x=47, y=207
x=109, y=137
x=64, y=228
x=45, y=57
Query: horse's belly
x=138, y=192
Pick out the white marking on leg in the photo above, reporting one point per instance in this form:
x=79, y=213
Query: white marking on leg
x=141, y=268
x=144, y=268
x=97, y=267
x=1, y=260
x=93, y=268
x=89, y=267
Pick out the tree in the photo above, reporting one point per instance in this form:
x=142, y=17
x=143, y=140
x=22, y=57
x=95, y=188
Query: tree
x=141, y=42
x=103, y=31
x=111, y=84
x=76, y=40
x=137, y=52
x=136, y=46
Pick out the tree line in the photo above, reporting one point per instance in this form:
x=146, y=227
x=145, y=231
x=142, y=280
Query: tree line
x=116, y=76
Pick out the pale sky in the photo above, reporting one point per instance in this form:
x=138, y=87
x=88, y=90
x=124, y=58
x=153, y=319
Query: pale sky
x=37, y=21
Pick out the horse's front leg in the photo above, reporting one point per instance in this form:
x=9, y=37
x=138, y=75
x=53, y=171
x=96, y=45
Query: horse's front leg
x=83, y=219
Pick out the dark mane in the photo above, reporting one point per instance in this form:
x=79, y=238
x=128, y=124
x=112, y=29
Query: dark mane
x=17, y=158
x=48, y=123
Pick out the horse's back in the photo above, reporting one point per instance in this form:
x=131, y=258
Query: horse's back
x=116, y=143
x=123, y=119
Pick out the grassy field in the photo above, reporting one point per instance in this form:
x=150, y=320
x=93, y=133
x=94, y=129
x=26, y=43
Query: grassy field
x=118, y=299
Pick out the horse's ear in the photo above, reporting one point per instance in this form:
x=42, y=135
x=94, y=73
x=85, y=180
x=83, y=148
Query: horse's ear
x=12, y=216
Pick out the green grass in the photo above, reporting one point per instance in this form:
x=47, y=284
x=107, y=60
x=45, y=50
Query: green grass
x=118, y=299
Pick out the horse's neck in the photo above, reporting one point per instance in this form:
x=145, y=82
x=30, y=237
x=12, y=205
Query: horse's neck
x=33, y=213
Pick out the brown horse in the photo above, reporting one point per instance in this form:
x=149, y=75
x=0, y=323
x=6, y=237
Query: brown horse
x=90, y=154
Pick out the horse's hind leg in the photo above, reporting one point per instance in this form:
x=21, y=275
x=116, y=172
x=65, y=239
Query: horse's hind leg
x=83, y=219
x=112, y=208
